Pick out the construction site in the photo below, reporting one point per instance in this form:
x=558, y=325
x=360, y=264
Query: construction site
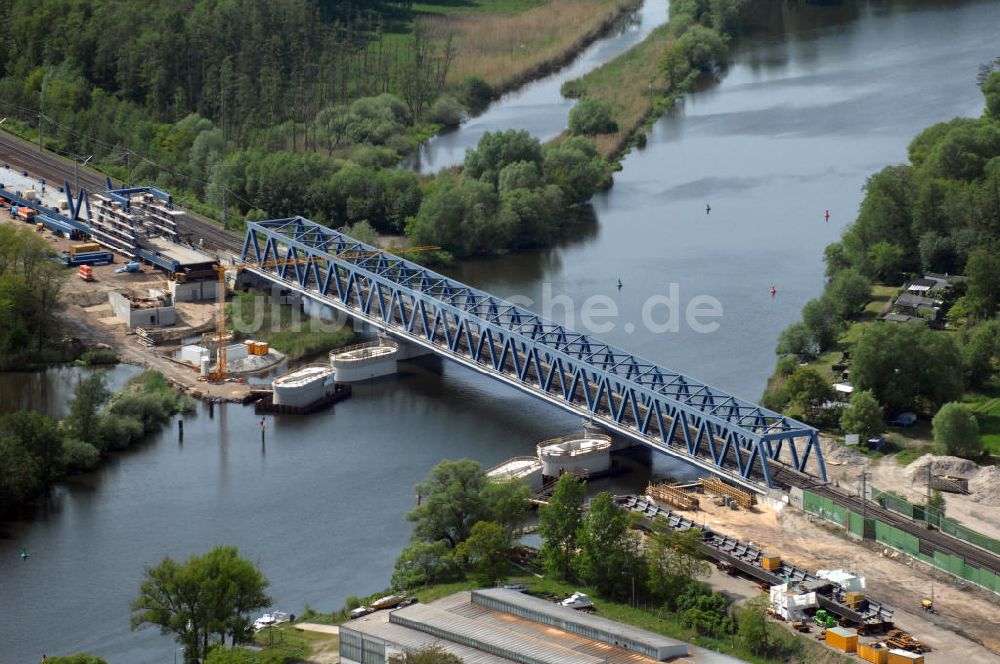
x=850, y=565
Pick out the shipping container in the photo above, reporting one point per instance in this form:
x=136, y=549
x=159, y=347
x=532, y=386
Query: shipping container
x=876, y=653
x=262, y=348
x=85, y=247
x=853, y=598
x=771, y=563
x=842, y=638
x=897, y=656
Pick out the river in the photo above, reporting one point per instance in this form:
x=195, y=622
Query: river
x=805, y=112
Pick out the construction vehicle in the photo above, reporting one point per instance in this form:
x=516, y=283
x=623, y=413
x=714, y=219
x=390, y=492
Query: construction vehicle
x=928, y=605
x=221, y=373
x=134, y=266
x=824, y=619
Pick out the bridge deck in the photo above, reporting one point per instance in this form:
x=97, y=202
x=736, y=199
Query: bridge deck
x=633, y=396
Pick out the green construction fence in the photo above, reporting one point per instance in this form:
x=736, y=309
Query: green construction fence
x=898, y=539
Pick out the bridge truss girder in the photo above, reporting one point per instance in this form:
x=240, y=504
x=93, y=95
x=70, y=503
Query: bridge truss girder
x=661, y=408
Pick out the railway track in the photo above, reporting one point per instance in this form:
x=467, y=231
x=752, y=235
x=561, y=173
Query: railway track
x=928, y=538
x=56, y=170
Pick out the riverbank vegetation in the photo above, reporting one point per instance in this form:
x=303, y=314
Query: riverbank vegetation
x=30, y=283
x=37, y=451
x=229, y=108
x=642, y=83
x=465, y=536
x=937, y=215
x=203, y=601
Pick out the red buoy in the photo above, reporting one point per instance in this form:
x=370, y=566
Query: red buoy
x=828, y=215
x=774, y=291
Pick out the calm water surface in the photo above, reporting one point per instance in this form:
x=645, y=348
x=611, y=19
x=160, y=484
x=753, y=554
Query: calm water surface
x=804, y=114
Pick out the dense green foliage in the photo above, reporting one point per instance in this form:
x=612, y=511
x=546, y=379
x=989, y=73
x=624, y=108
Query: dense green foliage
x=35, y=451
x=235, y=655
x=206, y=596
x=513, y=194
x=464, y=520
x=558, y=523
x=29, y=286
x=907, y=366
x=591, y=116
x=674, y=562
x=938, y=213
x=864, y=416
x=608, y=558
x=486, y=552
x=79, y=658
x=956, y=431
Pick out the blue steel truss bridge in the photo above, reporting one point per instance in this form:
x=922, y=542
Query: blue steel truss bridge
x=663, y=409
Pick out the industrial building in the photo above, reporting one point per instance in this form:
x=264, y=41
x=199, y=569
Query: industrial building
x=498, y=626
x=192, y=273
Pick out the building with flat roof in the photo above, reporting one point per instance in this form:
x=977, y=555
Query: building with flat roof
x=499, y=626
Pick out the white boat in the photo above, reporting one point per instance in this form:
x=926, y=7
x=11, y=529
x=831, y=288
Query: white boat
x=265, y=620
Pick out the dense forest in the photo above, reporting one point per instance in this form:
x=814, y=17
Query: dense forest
x=939, y=213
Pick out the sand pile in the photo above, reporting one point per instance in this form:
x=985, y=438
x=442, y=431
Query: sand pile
x=916, y=472
x=985, y=486
x=838, y=455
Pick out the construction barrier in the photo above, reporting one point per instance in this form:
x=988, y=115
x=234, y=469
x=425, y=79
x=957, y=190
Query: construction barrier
x=930, y=515
x=897, y=539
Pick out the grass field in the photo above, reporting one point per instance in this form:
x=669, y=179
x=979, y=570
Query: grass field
x=633, y=83
x=507, y=42
x=986, y=407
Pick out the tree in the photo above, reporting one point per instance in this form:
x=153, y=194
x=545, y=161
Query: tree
x=210, y=594
x=983, y=291
x=957, y=431
x=809, y=390
x=609, y=558
x=676, y=67
x=864, y=416
x=451, y=502
x=475, y=93
x=498, y=149
x=705, y=610
x=423, y=564
x=432, y=654
x=509, y=504
x=991, y=90
x=703, y=47
x=849, y=292
x=979, y=352
x=78, y=658
x=558, y=523
x=820, y=317
x=797, y=340
x=907, y=365
x=674, y=561
x=223, y=655
x=754, y=630
x=41, y=439
x=486, y=552
x=591, y=116
x=575, y=167
x=90, y=395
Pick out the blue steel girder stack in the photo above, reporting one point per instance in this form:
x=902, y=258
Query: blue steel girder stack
x=668, y=411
